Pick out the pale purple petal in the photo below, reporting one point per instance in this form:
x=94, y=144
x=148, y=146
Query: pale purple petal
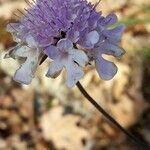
x=108, y=21
x=114, y=34
x=52, y=52
x=93, y=19
x=89, y=39
x=31, y=41
x=44, y=42
x=105, y=69
x=27, y=70
x=64, y=45
x=82, y=41
x=74, y=73
x=73, y=35
x=80, y=57
x=110, y=49
x=92, y=37
x=31, y=59
x=55, y=69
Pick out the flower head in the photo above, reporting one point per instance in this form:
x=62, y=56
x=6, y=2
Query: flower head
x=56, y=28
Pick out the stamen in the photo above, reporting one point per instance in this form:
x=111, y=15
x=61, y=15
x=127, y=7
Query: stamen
x=29, y=12
x=21, y=12
x=57, y=18
x=28, y=3
x=40, y=17
x=40, y=9
x=13, y=27
x=18, y=17
x=44, y=18
x=34, y=1
x=96, y=4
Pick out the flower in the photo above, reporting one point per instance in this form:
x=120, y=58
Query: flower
x=30, y=55
x=56, y=29
x=69, y=57
x=104, y=40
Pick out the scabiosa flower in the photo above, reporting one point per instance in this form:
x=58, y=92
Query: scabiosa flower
x=69, y=32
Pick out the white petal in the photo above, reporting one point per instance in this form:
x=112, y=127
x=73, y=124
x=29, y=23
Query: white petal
x=55, y=69
x=17, y=51
x=64, y=45
x=20, y=51
x=105, y=69
x=30, y=41
x=27, y=70
x=23, y=51
x=74, y=73
x=80, y=57
x=93, y=37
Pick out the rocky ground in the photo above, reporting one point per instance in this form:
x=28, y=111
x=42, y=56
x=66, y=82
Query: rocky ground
x=48, y=116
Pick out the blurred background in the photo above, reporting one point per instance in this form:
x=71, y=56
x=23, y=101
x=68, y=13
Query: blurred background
x=47, y=115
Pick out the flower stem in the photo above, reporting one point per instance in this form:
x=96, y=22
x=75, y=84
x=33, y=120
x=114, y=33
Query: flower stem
x=142, y=146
